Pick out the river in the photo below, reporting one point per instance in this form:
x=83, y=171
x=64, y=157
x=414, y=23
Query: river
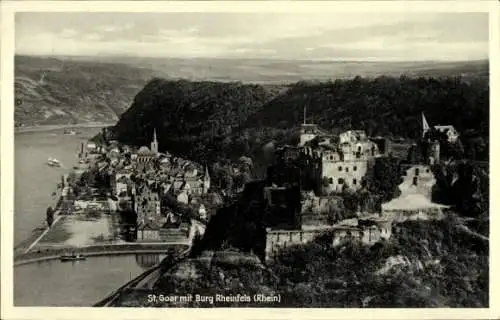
x=53, y=283
x=34, y=181
x=79, y=283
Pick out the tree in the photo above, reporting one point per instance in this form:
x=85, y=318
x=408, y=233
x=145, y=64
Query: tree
x=386, y=178
x=50, y=216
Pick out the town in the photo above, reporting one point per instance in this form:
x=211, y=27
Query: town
x=118, y=194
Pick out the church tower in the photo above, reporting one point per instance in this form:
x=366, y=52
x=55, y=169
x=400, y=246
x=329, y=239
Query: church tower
x=206, y=181
x=154, y=143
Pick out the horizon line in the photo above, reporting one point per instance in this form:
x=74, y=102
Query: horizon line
x=56, y=56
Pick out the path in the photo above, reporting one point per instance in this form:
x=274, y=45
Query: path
x=42, y=235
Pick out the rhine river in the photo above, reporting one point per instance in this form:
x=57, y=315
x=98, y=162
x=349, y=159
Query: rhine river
x=53, y=283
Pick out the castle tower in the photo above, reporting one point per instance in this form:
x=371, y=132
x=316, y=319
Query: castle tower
x=154, y=143
x=206, y=181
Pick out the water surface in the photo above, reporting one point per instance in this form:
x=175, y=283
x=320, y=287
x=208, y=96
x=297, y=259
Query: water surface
x=34, y=181
x=79, y=283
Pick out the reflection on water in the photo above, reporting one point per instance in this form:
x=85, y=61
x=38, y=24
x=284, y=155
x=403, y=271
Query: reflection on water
x=79, y=283
x=147, y=261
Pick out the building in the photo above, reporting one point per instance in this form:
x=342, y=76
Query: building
x=148, y=232
x=197, y=185
x=317, y=211
x=307, y=133
x=449, y=130
x=92, y=147
x=202, y=211
x=392, y=147
x=342, y=165
x=121, y=182
x=417, y=178
x=339, y=171
x=147, y=205
x=330, y=163
x=182, y=196
x=154, y=143
x=146, y=157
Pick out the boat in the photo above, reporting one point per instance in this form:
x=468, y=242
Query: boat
x=70, y=131
x=72, y=257
x=54, y=162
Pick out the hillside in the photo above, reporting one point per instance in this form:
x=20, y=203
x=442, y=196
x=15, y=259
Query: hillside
x=188, y=115
x=381, y=106
x=213, y=121
x=50, y=91
x=72, y=90
x=426, y=265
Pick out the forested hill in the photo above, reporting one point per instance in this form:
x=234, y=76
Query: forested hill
x=187, y=113
x=381, y=106
x=210, y=121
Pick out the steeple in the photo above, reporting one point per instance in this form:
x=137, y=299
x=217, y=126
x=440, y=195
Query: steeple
x=154, y=143
x=207, y=176
x=305, y=114
x=206, y=181
x=425, y=125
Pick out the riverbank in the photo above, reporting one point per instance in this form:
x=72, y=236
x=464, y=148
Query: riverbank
x=42, y=128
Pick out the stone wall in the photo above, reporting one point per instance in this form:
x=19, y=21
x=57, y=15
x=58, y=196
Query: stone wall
x=417, y=179
x=277, y=240
x=340, y=173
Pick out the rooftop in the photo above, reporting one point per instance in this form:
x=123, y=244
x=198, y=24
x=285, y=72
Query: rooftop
x=144, y=150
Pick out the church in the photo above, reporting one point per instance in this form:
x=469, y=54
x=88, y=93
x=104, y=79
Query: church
x=147, y=157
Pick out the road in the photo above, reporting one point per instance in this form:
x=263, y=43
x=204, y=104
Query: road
x=61, y=126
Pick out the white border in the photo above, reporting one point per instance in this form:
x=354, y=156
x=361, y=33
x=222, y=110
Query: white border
x=7, y=151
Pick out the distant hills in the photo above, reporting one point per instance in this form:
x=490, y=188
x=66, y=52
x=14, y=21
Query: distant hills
x=52, y=91
x=72, y=90
x=290, y=71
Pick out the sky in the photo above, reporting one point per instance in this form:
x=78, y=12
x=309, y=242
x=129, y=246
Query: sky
x=310, y=36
